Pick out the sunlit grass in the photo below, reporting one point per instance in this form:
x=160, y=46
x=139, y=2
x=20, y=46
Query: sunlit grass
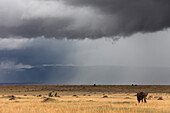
x=95, y=103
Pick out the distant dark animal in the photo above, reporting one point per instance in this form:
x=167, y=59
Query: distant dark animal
x=160, y=98
x=39, y=95
x=105, y=96
x=141, y=96
x=134, y=85
x=12, y=97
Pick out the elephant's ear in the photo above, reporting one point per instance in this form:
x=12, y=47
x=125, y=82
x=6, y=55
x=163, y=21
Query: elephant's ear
x=145, y=94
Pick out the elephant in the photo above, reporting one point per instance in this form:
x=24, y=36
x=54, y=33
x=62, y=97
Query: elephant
x=141, y=96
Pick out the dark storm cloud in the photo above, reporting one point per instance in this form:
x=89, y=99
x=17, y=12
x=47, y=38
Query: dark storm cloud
x=83, y=18
x=48, y=27
x=36, y=62
x=38, y=51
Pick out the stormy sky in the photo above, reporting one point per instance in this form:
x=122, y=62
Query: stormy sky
x=85, y=41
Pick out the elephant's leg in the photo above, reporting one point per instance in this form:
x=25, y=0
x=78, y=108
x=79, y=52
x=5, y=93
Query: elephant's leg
x=138, y=99
x=145, y=100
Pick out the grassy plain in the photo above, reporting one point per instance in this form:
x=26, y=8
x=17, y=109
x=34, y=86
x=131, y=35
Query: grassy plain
x=83, y=99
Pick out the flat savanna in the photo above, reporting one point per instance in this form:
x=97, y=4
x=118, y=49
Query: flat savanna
x=83, y=99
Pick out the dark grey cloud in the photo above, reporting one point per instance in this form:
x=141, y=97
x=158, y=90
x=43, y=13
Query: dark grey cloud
x=79, y=19
x=133, y=15
x=48, y=27
x=37, y=51
x=137, y=60
x=33, y=60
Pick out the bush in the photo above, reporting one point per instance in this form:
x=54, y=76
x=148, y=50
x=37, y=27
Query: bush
x=50, y=94
x=56, y=94
x=39, y=95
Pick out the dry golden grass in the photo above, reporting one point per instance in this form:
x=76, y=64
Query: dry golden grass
x=92, y=102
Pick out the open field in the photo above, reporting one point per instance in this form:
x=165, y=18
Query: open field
x=83, y=99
